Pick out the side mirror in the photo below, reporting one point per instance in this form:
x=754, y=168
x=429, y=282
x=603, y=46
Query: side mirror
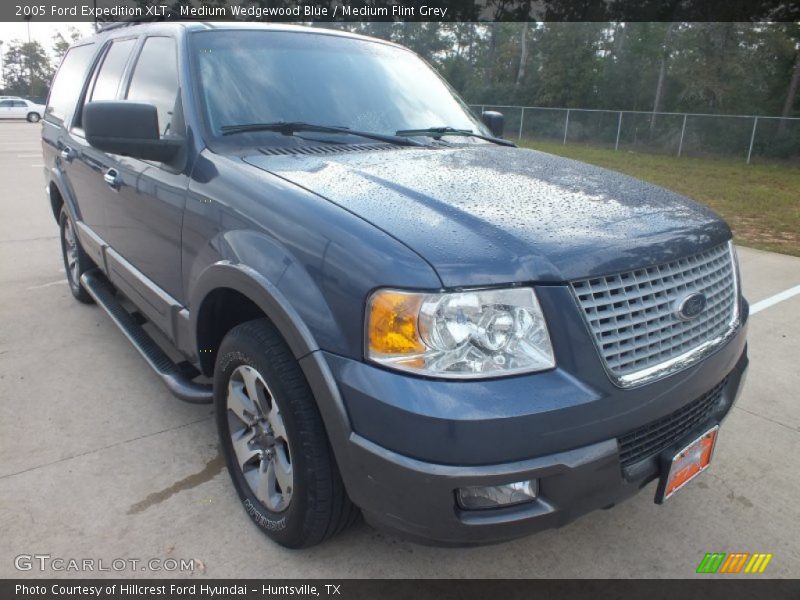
x=495, y=121
x=127, y=128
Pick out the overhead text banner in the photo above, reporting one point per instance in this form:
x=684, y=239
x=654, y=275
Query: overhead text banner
x=401, y=10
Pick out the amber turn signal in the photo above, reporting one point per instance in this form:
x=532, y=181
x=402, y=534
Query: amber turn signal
x=393, y=323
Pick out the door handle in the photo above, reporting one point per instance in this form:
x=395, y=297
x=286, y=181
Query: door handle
x=67, y=154
x=111, y=177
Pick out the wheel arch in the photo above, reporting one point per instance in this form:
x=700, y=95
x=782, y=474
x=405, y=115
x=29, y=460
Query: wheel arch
x=228, y=294
x=56, y=199
x=56, y=192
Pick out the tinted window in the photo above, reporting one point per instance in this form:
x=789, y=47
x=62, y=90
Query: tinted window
x=68, y=83
x=6, y=104
x=20, y=103
x=155, y=79
x=110, y=73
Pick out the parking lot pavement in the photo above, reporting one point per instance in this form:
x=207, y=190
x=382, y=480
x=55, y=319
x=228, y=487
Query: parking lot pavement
x=98, y=460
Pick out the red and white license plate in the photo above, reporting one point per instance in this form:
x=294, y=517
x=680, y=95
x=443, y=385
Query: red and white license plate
x=687, y=464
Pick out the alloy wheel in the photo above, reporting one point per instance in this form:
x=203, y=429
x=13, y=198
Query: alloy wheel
x=71, y=253
x=259, y=438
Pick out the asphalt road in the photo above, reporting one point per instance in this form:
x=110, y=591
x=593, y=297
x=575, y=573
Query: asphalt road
x=98, y=460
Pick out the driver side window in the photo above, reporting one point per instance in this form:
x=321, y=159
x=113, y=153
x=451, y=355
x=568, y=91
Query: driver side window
x=106, y=85
x=155, y=80
x=108, y=75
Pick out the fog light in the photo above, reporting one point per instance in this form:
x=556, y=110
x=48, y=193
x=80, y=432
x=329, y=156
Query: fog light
x=496, y=496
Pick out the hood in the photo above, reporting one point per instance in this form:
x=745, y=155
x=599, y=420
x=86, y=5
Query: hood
x=486, y=214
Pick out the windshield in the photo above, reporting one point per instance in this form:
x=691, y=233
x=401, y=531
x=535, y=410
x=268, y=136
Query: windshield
x=251, y=77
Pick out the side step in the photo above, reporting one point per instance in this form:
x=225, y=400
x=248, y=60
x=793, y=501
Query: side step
x=176, y=379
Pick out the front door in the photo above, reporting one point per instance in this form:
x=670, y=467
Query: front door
x=19, y=109
x=145, y=213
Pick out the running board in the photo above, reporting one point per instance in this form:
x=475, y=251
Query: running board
x=171, y=374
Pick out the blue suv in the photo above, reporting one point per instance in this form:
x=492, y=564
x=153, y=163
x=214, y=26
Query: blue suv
x=395, y=311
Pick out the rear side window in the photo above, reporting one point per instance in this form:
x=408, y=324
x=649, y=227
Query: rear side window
x=19, y=103
x=68, y=83
x=111, y=70
x=6, y=103
x=155, y=79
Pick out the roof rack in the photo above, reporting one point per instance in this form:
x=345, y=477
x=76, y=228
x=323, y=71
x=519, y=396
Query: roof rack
x=168, y=14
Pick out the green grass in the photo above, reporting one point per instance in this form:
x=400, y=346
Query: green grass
x=761, y=201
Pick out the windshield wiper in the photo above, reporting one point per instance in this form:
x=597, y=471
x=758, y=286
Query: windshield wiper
x=437, y=132
x=292, y=127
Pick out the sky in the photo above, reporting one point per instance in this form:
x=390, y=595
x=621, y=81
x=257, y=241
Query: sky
x=41, y=32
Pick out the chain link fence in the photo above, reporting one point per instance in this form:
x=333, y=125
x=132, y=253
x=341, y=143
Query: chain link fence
x=682, y=134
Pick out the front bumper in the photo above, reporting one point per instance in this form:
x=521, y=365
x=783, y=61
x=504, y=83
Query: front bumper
x=416, y=499
x=405, y=444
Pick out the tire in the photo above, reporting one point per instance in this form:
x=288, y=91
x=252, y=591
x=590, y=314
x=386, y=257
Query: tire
x=33, y=117
x=286, y=476
x=76, y=263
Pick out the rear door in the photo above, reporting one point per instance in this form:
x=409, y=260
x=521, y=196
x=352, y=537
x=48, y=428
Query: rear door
x=57, y=143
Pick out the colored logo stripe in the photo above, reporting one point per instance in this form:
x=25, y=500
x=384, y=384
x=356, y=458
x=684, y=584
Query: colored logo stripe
x=720, y=562
x=711, y=562
x=734, y=562
x=758, y=563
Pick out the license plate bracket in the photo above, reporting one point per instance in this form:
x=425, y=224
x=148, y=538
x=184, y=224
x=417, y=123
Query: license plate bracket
x=682, y=466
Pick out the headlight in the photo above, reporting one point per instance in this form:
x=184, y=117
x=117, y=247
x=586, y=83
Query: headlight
x=481, y=333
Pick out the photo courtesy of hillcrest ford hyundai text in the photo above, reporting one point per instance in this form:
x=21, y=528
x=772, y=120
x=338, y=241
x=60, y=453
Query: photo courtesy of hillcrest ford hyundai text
x=395, y=311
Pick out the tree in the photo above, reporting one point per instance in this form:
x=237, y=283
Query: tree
x=61, y=44
x=794, y=80
x=709, y=62
x=743, y=68
x=570, y=63
x=27, y=69
x=523, y=53
x=662, y=72
x=791, y=94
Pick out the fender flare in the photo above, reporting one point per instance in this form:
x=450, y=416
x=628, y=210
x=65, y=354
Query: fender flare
x=56, y=178
x=261, y=291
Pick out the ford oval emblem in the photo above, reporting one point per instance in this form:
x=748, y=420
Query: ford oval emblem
x=691, y=306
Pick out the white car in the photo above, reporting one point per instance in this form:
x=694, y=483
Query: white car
x=19, y=108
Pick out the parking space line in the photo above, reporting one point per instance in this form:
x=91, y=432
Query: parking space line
x=44, y=285
x=773, y=300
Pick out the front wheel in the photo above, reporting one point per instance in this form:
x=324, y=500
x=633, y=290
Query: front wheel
x=76, y=263
x=33, y=117
x=274, y=441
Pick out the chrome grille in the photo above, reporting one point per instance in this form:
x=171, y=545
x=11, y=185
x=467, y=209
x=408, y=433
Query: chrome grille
x=633, y=315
